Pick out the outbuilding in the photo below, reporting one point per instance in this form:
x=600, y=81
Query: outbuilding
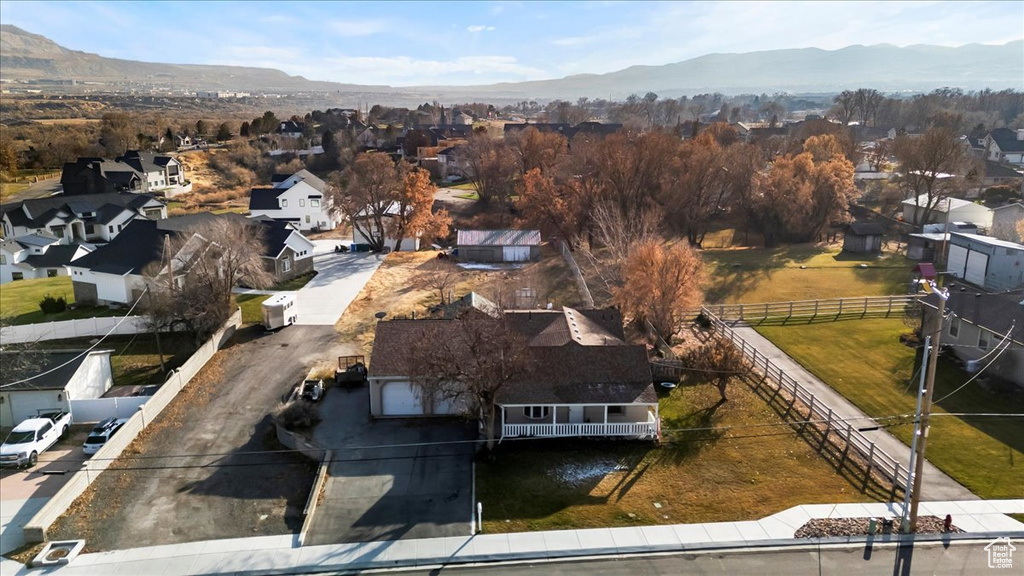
x=498, y=245
x=986, y=262
x=863, y=238
x=63, y=376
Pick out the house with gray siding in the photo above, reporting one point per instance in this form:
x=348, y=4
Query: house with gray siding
x=498, y=245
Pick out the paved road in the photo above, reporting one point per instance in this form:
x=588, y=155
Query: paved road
x=40, y=189
x=960, y=559
x=339, y=279
x=390, y=493
x=937, y=485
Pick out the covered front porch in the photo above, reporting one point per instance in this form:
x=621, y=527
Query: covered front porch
x=567, y=420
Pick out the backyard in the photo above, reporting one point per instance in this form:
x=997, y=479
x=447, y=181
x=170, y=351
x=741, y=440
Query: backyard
x=134, y=360
x=19, y=301
x=395, y=288
x=865, y=361
x=758, y=467
x=801, y=272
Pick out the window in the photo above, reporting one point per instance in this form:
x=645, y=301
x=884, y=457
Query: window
x=983, y=339
x=536, y=412
x=51, y=273
x=57, y=231
x=42, y=431
x=3, y=259
x=954, y=328
x=302, y=202
x=284, y=203
x=17, y=276
x=110, y=229
x=616, y=410
x=287, y=266
x=307, y=218
x=314, y=202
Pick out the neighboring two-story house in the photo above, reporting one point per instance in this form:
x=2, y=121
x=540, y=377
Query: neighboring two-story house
x=291, y=129
x=135, y=172
x=1005, y=145
x=37, y=256
x=300, y=199
x=93, y=218
x=452, y=162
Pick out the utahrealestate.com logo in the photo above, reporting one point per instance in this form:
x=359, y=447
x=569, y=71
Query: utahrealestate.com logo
x=1000, y=553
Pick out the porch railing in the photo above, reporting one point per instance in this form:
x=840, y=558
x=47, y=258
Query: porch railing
x=636, y=429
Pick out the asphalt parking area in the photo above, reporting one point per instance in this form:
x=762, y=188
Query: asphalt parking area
x=391, y=479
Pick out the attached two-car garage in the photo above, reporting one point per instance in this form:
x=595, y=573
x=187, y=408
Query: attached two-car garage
x=400, y=398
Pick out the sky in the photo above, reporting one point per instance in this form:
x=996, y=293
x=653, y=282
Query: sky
x=460, y=43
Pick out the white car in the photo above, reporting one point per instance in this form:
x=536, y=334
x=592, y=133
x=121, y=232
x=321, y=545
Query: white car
x=101, y=433
x=32, y=437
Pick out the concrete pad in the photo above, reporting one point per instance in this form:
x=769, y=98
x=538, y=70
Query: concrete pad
x=794, y=517
x=978, y=507
x=751, y=531
x=561, y=541
x=596, y=539
x=339, y=279
x=525, y=542
x=629, y=539
x=691, y=534
x=14, y=514
x=776, y=529
x=996, y=522
x=491, y=547
x=820, y=510
x=661, y=536
x=723, y=532
x=458, y=545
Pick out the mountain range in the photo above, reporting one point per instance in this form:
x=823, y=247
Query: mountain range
x=31, y=57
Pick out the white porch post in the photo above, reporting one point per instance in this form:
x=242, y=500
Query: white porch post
x=606, y=414
x=502, y=409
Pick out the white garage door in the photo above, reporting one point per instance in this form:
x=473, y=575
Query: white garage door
x=957, y=261
x=398, y=399
x=516, y=253
x=977, y=263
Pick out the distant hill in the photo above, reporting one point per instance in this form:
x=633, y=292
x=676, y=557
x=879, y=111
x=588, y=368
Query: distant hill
x=27, y=56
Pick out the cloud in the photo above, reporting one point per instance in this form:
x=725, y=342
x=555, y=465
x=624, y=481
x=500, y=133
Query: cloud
x=479, y=28
x=358, y=28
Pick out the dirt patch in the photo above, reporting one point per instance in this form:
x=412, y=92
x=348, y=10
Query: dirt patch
x=395, y=289
x=826, y=527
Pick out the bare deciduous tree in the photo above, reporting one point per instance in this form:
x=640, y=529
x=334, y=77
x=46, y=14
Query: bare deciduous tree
x=659, y=283
x=440, y=276
x=720, y=361
x=934, y=166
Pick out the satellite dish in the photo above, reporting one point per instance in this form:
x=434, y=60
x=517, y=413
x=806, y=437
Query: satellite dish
x=380, y=315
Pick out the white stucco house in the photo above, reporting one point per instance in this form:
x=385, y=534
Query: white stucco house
x=364, y=227
x=946, y=210
x=37, y=256
x=300, y=199
x=66, y=375
x=93, y=218
x=1005, y=145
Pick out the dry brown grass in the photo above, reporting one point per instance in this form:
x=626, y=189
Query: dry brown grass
x=208, y=184
x=394, y=289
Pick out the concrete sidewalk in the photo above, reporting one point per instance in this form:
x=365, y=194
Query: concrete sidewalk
x=281, y=554
x=936, y=486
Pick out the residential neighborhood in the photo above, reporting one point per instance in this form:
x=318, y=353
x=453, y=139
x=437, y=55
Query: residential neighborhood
x=491, y=326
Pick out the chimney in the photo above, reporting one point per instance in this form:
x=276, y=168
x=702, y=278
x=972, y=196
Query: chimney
x=1020, y=133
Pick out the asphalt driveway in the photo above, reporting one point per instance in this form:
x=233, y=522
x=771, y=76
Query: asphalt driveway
x=391, y=479
x=339, y=279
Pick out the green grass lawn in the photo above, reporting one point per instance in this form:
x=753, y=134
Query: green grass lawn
x=697, y=476
x=295, y=283
x=19, y=301
x=770, y=275
x=135, y=359
x=865, y=361
x=252, y=307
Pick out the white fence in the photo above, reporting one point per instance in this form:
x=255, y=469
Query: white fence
x=862, y=306
x=73, y=329
x=581, y=284
x=35, y=529
x=90, y=410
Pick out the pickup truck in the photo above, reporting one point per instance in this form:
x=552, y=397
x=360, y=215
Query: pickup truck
x=33, y=436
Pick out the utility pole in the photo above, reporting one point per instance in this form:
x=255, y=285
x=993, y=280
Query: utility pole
x=935, y=331
x=904, y=515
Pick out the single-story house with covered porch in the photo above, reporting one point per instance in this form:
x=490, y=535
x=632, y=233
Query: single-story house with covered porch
x=582, y=379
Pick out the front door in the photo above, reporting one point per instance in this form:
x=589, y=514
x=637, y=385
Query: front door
x=576, y=414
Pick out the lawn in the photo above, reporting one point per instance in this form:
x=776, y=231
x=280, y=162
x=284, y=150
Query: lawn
x=135, y=359
x=252, y=307
x=756, y=469
x=295, y=283
x=771, y=275
x=865, y=361
x=19, y=301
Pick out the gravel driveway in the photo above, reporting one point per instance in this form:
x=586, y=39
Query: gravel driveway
x=191, y=480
